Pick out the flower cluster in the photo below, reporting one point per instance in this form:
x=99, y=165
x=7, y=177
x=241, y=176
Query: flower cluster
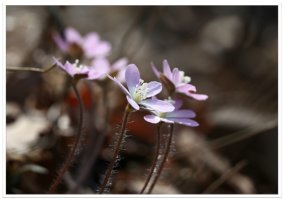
x=139, y=94
x=143, y=94
x=90, y=47
x=176, y=81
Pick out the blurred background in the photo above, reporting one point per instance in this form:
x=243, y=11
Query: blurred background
x=230, y=53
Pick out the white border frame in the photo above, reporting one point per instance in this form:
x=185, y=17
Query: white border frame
x=145, y=2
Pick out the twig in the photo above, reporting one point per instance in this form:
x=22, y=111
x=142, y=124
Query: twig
x=31, y=69
x=161, y=167
x=228, y=174
x=155, y=162
x=71, y=155
x=242, y=135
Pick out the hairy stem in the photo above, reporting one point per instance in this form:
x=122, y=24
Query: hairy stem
x=98, y=144
x=117, y=150
x=163, y=160
x=71, y=155
x=155, y=162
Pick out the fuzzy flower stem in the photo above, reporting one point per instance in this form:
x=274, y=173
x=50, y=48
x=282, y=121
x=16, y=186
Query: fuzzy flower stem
x=155, y=162
x=71, y=155
x=97, y=146
x=117, y=149
x=164, y=159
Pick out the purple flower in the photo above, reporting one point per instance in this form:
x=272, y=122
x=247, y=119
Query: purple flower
x=139, y=92
x=177, y=81
x=117, y=68
x=78, y=71
x=90, y=45
x=179, y=116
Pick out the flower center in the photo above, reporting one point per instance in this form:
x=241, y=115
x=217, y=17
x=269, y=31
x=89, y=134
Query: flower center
x=77, y=66
x=162, y=114
x=140, y=92
x=184, y=79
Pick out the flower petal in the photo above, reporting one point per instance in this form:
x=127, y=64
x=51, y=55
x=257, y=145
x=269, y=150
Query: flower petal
x=152, y=119
x=186, y=122
x=156, y=72
x=102, y=49
x=178, y=103
x=121, y=75
x=154, y=88
x=157, y=105
x=70, y=68
x=63, y=46
x=59, y=63
x=73, y=36
x=124, y=90
x=185, y=88
x=176, y=76
x=90, y=44
x=167, y=121
x=181, y=114
x=132, y=103
x=132, y=77
x=119, y=64
x=93, y=74
x=199, y=97
x=167, y=70
x=101, y=64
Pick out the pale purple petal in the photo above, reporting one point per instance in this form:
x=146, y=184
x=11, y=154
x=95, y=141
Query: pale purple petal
x=167, y=70
x=152, y=119
x=186, y=122
x=63, y=46
x=200, y=97
x=93, y=74
x=59, y=64
x=156, y=72
x=176, y=76
x=124, y=90
x=132, y=103
x=90, y=44
x=132, y=77
x=70, y=68
x=121, y=75
x=91, y=39
x=73, y=36
x=101, y=64
x=102, y=49
x=181, y=114
x=185, y=88
x=178, y=103
x=157, y=105
x=119, y=64
x=167, y=121
x=154, y=88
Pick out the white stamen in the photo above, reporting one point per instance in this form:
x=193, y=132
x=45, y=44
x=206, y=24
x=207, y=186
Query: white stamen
x=184, y=79
x=141, y=91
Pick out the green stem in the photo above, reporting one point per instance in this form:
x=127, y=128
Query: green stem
x=71, y=155
x=164, y=160
x=117, y=150
x=155, y=162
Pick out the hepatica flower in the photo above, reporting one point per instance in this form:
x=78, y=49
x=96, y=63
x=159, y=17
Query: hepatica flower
x=179, y=116
x=139, y=93
x=116, y=69
x=77, y=71
x=91, y=45
x=176, y=81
